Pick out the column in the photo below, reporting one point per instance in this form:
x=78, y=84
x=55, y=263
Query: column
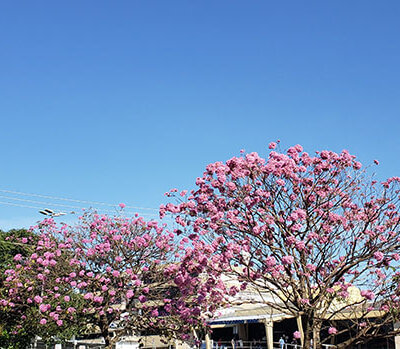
x=397, y=338
x=208, y=341
x=269, y=332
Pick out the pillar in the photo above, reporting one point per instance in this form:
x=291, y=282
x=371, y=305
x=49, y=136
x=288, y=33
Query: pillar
x=269, y=333
x=397, y=338
x=208, y=341
x=300, y=328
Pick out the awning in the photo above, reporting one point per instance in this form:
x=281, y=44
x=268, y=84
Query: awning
x=232, y=322
x=246, y=319
x=237, y=320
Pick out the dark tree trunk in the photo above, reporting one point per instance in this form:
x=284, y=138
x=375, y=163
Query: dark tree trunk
x=316, y=328
x=105, y=332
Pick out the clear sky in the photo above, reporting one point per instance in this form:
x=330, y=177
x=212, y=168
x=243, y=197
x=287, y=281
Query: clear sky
x=119, y=101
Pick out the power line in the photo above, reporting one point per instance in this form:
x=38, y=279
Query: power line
x=50, y=204
x=83, y=208
x=74, y=200
x=40, y=202
x=19, y=205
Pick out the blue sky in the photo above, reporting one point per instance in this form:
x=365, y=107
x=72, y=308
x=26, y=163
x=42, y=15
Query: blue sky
x=121, y=101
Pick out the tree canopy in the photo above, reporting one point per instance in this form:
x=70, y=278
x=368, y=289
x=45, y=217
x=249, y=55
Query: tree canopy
x=8, y=249
x=114, y=275
x=312, y=234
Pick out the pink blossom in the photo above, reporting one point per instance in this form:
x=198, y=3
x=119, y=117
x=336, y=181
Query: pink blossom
x=88, y=296
x=270, y=261
x=43, y=321
x=67, y=298
x=332, y=330
x=121, y=205
x=129, y=294
x=298, y=148
x=38, y=299
x=385, y=307
x=44, y=307
x=311, y=267
x=280, y=182
x=297, y=335
x=378, y=256
x=300, y=245
x=368, y=294
x=272, y=145
x=305, y=301
x=287, y=260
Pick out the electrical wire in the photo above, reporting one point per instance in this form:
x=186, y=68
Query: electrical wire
x=40, y=202
x=50, y=204
x=19, y=205
x=74, y=200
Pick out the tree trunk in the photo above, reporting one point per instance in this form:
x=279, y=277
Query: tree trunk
x=105, y=332
x=107, y=340
x=311, y=331
x=305, y=325
x=316, y=328
x=307, y=335
x=307, y=341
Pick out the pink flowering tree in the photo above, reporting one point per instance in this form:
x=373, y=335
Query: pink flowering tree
x=10, y=246
x=311, y=234
x=30, y=294
x=116, y=275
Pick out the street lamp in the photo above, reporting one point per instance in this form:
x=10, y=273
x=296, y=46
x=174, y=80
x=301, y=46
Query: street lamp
x=51, y=213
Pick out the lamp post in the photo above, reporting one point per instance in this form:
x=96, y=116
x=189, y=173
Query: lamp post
x=51, y=213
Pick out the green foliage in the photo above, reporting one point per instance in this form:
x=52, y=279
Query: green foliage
x=10, y=246
x=12, y=334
